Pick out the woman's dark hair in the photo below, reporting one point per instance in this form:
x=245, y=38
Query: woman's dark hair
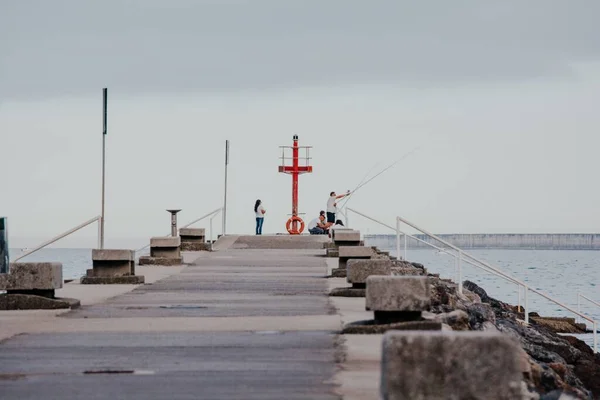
x=339, y=222
x=256, y=205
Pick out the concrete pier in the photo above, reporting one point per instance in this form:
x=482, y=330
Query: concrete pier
x=252, y=319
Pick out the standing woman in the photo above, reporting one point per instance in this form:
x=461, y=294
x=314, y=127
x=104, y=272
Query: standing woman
x=259, y=211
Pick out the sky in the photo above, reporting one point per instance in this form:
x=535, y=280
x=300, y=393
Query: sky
x=499, y=98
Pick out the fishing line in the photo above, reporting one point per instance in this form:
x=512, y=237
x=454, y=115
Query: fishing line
x=381, y=172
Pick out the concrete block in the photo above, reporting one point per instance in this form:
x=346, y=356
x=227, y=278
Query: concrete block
x=192, y=235
x=110, y=263
x=356, y=251
x=345, y=235
x=449, y=366
x=360, y=270
x=32, y=276
x=332, y=253
x=113, y=280
x=113, y=255
x=166, y=241
x=397, y=293
x=166, y=262
x=195, y=246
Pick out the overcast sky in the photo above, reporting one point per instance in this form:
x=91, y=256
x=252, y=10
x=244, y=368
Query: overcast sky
x=501, y=97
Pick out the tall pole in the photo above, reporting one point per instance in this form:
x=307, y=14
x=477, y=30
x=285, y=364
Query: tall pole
x=295, y=182
x=104, y=104
x=225, y=195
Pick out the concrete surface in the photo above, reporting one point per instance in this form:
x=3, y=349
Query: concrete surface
x=236, y=324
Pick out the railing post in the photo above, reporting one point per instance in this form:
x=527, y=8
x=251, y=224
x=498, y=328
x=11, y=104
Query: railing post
x=456, y=268
x=405, y=247
x=460, y=285
x=578, y=306
x=519, y=303
x=526, y=304
x=100, y=232
x=595, y=336
x=398, y=239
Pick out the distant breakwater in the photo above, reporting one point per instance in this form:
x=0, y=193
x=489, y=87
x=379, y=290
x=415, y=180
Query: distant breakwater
x=531, y=241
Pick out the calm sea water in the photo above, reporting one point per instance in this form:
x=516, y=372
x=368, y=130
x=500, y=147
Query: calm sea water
x=558, y=273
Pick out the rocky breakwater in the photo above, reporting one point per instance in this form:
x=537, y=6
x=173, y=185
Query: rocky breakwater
x=404, y=297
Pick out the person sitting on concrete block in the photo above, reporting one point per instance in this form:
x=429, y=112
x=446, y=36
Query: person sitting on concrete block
x=318, y=226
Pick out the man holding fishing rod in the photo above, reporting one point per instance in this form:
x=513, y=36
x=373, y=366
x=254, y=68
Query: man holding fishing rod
x=332, y=205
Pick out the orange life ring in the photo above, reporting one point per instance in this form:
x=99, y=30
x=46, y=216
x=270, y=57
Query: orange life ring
x=288, y=225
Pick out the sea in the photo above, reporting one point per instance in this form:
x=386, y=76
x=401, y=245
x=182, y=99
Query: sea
x=561, y=274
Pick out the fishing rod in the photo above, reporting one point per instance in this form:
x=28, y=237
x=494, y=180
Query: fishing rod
x=359, y=183
x=381, y=172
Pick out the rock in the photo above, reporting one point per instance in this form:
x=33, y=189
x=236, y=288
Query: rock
x=479, y=313
x=458, y=320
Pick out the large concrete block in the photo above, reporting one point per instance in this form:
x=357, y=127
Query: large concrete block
x=166, y=241
x=345, y=235
x=32, y=276
x=397, y=293
x=360, y=270
x=110, y=263
x=113, y=255
x=356, y=251
x=192, y=235
x=449, y=365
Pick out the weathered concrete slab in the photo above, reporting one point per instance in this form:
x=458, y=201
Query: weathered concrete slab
x=166, y=241
x=449, y=366
x=195, y=246
x=32, y=276
x=192, y=234
x=332, y=253
x=360, y=270
x=273, y=242
x=397, y=293
x=166, y=365
x=356, y=251
x=112, y=280
x=113, y=255
x=345, y=235
x=163, y=261
x=32, y=302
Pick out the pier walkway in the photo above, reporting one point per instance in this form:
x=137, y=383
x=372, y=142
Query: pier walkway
x=251, y=320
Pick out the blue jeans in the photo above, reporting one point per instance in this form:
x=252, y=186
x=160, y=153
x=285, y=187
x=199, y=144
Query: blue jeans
x=259, y=224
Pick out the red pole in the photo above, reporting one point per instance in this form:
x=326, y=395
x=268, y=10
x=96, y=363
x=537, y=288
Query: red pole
x=295, y=173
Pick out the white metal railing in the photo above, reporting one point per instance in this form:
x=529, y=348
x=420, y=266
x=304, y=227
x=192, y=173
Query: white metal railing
x=211, y=214
x=62, y=235
x=463, y=256
x=581, y=296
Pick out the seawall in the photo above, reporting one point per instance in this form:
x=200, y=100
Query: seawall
x=540, y=241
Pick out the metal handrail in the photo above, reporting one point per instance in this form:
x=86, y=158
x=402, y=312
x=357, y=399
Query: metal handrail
x=62, y=235
x=579, y=297
x=488, y=268
x=440, y=249
x=215, y=212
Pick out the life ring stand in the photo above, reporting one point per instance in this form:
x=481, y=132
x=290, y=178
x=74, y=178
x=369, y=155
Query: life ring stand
x=288, y=225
